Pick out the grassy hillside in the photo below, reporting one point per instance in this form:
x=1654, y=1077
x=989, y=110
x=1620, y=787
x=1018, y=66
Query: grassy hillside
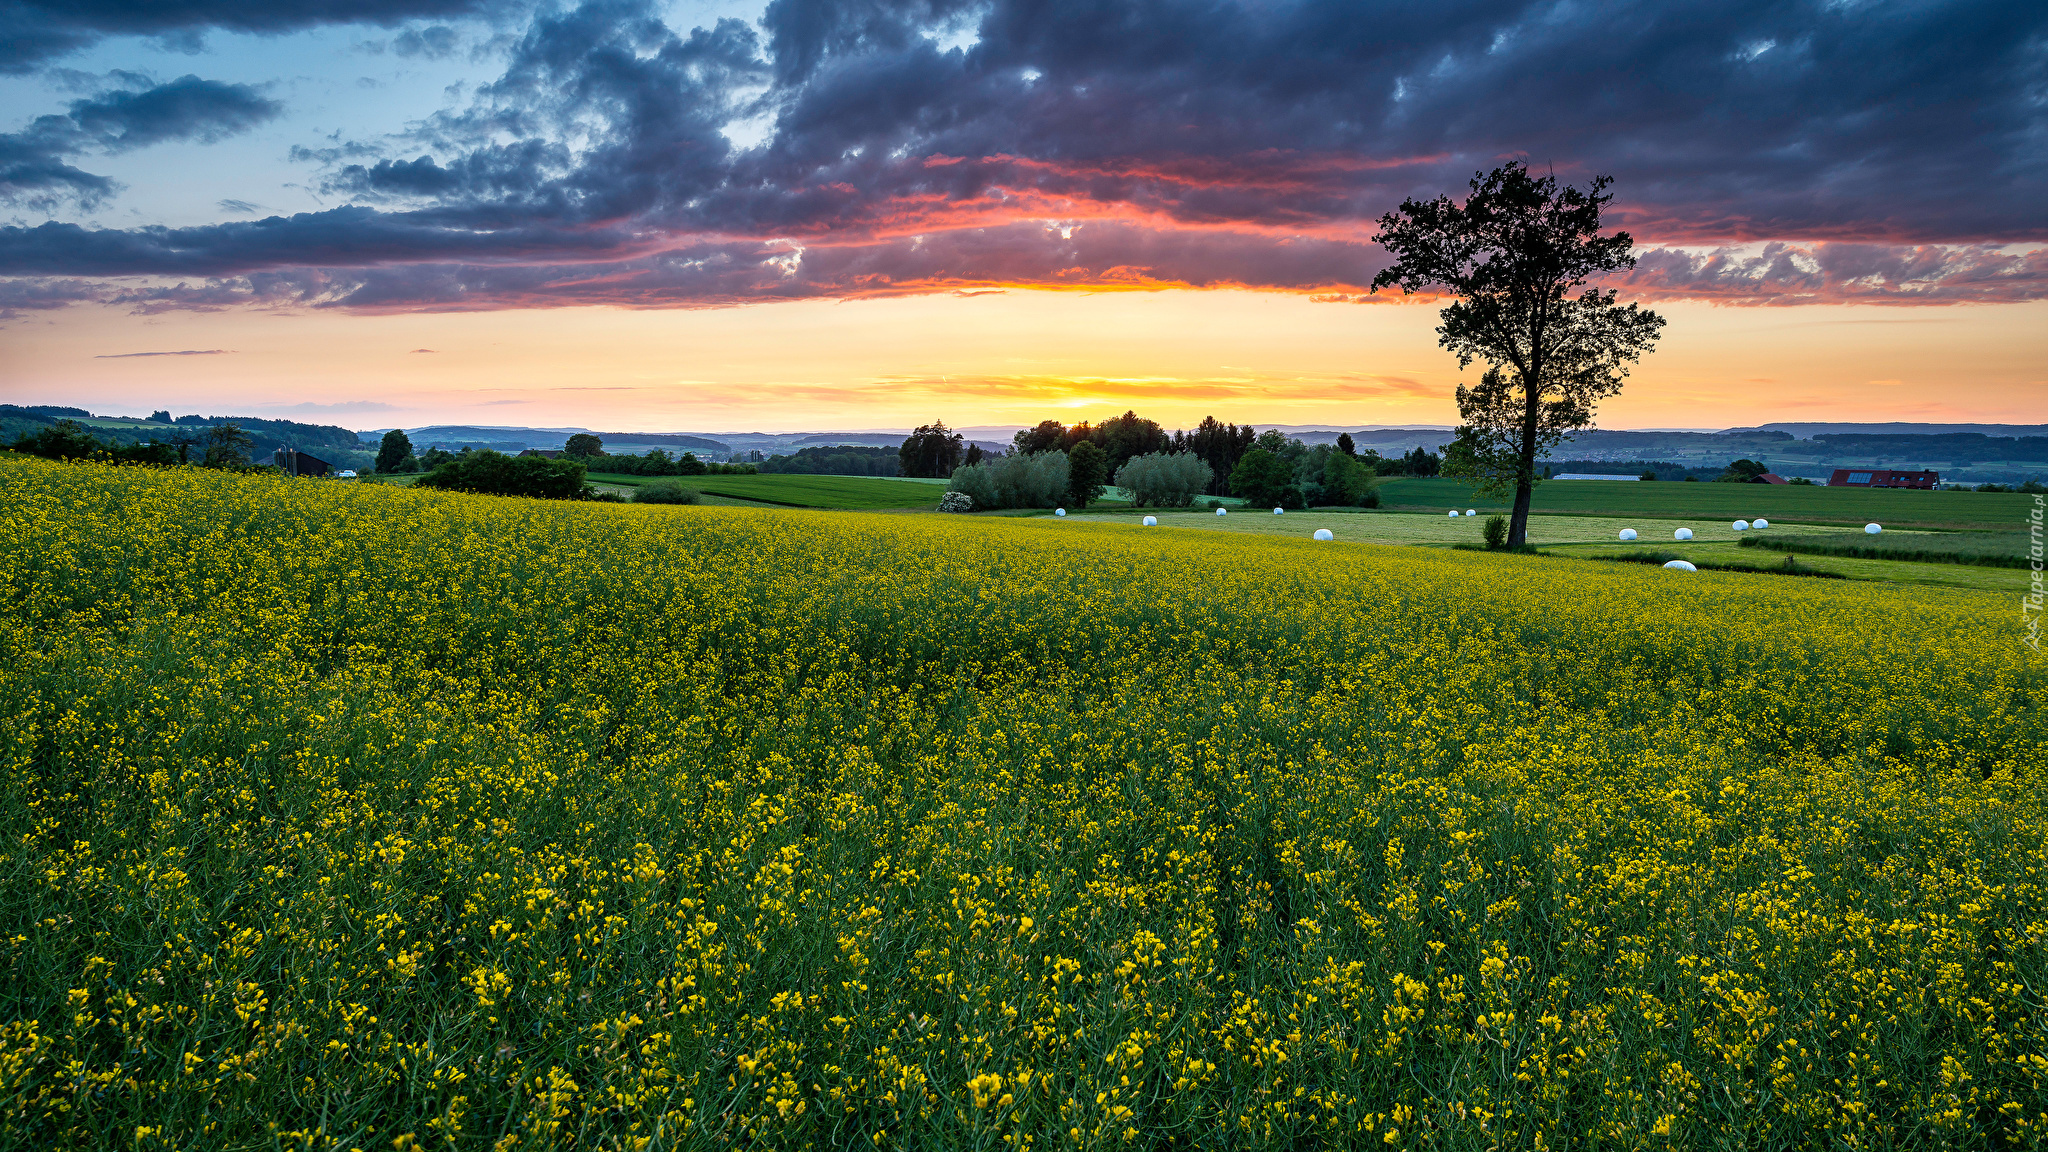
x=1984, y=511
x=838, y=492
x=351, y=816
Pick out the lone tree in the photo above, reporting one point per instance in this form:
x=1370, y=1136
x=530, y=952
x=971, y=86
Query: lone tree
x=1512, y=254
x=227, y=446
x=394, y=451
x=1087, y=473
x=583, y=446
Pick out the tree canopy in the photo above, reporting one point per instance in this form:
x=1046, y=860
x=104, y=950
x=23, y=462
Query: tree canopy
x=394, y=451
x=933, y=450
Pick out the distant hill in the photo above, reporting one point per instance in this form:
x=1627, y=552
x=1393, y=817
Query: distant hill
x=516, y=439
x=1807, y=431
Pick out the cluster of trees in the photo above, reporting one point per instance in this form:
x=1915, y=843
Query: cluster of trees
x=1743, y=472
x=1165, y=479
x=1039, y=480
x=1284, y=472
x=219, y=446
x=496, y=474
x=1172, y=471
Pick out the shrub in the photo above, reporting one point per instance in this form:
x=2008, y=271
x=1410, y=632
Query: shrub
x=1371, y=499
x=1496, y=532
x=666, y=491
x=1165, y=479
x=956, y=502
x=1035, y=481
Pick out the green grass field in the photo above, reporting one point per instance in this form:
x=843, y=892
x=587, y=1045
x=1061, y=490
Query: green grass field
x=1414, y=528
x=1977, y=576
x=856, y=493
x=1593, y=537
x=1992, y=549
x=1980, y=511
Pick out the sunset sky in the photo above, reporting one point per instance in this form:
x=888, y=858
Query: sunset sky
x=818, y=214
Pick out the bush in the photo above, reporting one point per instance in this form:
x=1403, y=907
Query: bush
x=956, y=502
x=668, y=491
x=496, y=474
x=1496, y=532
x=1165, y=479
x=1371, y=499
x=1035, y=481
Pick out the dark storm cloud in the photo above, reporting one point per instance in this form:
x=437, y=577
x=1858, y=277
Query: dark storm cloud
x=338, y=236
x=32, y=169
x=33, y=31
x=1860, y=151
x=187, y=108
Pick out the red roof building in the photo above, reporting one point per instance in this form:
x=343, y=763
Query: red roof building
x=1773, y=478
x=1882, y=478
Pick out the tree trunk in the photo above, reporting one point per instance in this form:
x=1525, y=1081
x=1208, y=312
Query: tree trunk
x=1525, y=470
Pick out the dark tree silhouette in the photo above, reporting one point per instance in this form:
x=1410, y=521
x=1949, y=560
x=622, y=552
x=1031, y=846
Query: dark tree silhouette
x=394, y=451
x=1512, y=254
x=932, y=450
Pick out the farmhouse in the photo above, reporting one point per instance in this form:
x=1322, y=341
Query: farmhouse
x=292, y=462
x=1882, y=478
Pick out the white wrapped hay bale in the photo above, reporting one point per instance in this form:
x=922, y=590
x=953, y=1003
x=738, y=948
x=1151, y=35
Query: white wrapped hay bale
x=1325, y=534
x=1454, y=513
x=1680, y=566
x=1682, y=534
x=1151, y=521
x=1740, y=525
x=1471, y=511
x=1279, y=511
x=1223, y=511
x=1059, y=511
x=1873, y=529
x=1759, y=522
x=1628, y=533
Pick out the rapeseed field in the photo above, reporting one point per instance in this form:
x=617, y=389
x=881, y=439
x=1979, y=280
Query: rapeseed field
x=353, y=817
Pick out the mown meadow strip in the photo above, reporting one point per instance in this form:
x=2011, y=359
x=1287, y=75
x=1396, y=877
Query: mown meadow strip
x=360, y=817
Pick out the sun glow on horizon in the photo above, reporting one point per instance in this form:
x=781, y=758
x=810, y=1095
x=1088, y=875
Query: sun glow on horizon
x=997, y=359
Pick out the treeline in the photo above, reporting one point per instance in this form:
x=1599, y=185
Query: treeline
x=222, y=446
x=837, y=460
x=1953, y=447
x=163, y=428
x=395, y=455
x=1640, y=469
x=1159, y=468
